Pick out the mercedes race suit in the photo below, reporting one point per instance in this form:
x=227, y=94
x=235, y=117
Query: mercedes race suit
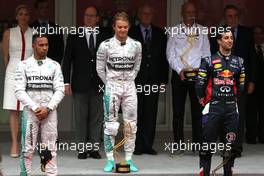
x=39, y=83
x=118, y=61
x=117, y=65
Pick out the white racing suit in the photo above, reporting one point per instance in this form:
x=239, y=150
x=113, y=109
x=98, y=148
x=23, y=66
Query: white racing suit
x=118, y=65
x=38, y=84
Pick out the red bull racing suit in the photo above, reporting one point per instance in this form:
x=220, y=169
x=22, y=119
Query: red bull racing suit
x=220, y=79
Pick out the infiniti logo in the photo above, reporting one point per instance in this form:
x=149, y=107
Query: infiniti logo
x=225, y=89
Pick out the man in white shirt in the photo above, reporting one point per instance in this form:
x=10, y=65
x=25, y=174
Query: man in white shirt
x=184, y=51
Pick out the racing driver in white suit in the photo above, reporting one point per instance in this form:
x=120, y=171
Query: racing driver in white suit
x=118, y=62
x=40, y=88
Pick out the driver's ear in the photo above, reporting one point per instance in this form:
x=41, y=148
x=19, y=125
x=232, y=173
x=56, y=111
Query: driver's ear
x=218, y=41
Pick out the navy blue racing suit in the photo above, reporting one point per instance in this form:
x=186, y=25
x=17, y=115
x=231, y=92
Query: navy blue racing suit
x=220, y=79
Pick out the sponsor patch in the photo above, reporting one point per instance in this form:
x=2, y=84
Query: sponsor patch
x=226, y=74
x=231, y=137
x=216, y=61
x=226, y=81
x=225, y=89
x=242, y=79
x=234, y=66
x=44, y=86
x=216, y=66
x=202, y=74
x=234, y=61
x=121, y=66
x=37, y=78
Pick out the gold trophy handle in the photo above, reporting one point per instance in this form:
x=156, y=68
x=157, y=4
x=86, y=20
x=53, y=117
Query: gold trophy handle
x=219, y=166
x=190, y=40
x=120, y=143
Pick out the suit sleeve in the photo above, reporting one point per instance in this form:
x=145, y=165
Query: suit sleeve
x=206, y=47
x=138, y=58
x=164, y=63
x=68, y=58
x=58, y=88
x=172, y=55
x=252, y=73
x=20, y=88
x=201, y=81
x=241, y=77
x=101, y=58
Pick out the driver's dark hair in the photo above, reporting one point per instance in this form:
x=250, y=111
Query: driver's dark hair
x=220, y=34
x=38, y=35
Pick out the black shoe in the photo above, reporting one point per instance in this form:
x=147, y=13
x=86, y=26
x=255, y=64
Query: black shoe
x=195, y=152
x=239, y=155
x=137, y=152
x=82, y=155
x=177, y=153
x=95, y=155
x=151, y=152
x=260, y=140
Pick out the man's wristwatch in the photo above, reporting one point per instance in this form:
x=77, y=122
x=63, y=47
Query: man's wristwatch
x=49, y=110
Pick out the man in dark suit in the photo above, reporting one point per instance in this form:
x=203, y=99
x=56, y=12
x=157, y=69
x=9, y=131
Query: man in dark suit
x=80, y=59
x=243, y=47
x=154, y=73
x=56, y=43
x=255, y=120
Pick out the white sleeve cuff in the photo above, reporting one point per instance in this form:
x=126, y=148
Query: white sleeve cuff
x=34, y=107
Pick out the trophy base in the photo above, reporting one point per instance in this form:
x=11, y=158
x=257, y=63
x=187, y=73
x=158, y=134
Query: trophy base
x=190, y=74
x=122, y=168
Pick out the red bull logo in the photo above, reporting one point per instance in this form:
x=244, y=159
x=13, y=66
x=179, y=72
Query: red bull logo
x=223, y=82
x=225, y=74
